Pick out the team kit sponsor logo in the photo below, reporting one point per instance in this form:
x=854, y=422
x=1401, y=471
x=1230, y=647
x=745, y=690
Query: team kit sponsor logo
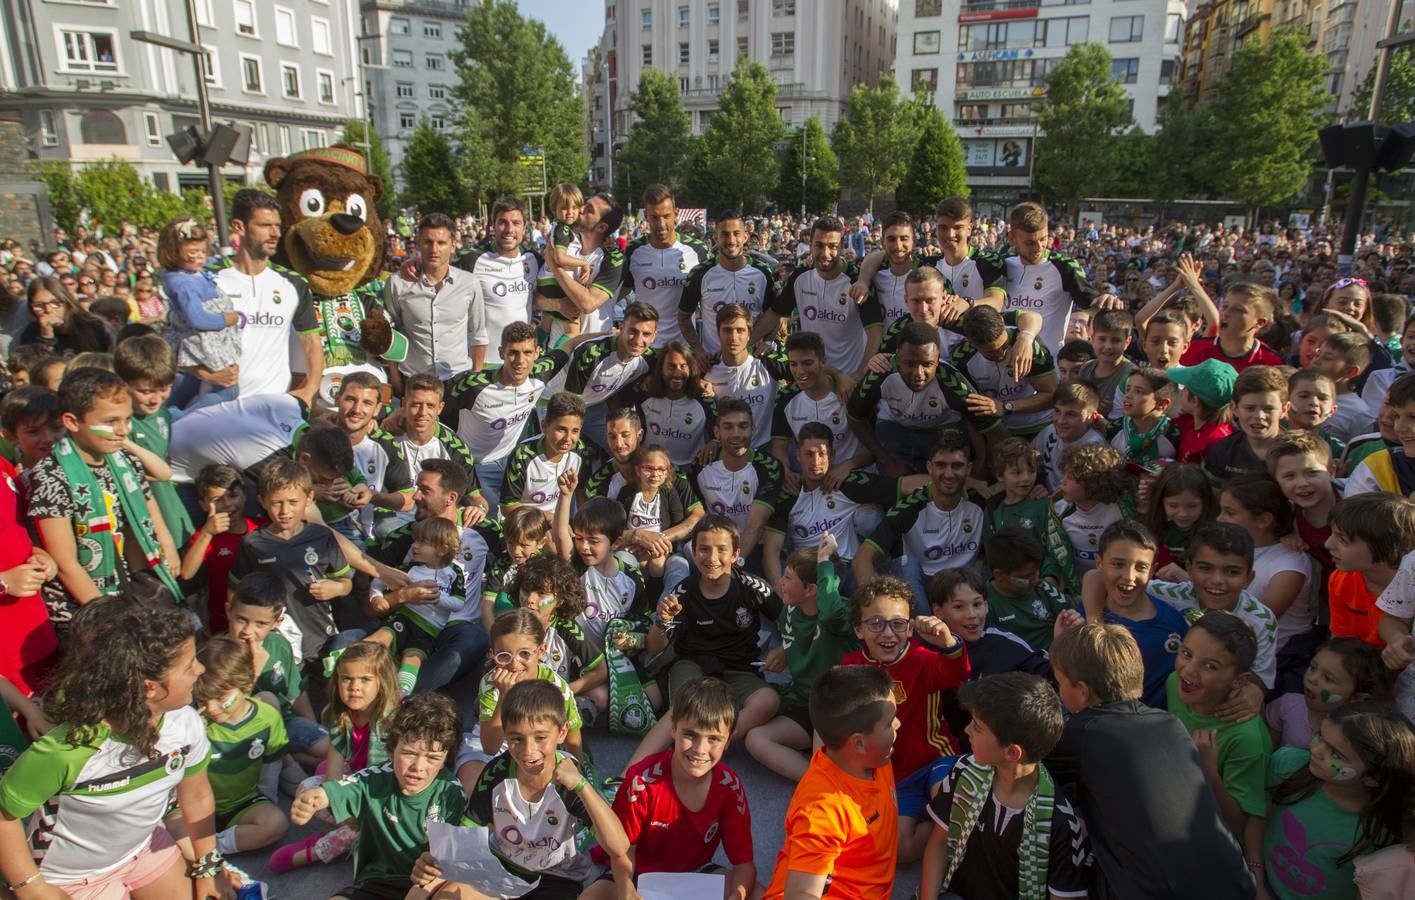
x=503, y=288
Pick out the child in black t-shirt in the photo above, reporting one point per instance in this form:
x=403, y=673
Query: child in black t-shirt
x=712, y=622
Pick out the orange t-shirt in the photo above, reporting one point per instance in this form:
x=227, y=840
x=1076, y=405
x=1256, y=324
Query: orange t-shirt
x=842, y=827
x=1353, y=608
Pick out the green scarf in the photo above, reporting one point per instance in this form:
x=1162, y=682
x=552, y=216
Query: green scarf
x=1140, y=448
x=972, y=785
x=337, y=351
x=154, y=434
x=629, y=709
x=97, y=520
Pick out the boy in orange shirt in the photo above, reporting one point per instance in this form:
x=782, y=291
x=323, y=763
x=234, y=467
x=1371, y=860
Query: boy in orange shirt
x=842, y=827
x=1369, y=535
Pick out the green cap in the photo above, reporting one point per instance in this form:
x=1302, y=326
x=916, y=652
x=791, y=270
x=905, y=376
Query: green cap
x=1211, y=381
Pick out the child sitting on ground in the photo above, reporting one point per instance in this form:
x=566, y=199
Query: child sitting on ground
x=815, y=634
x=537, y=794
x=526, y=532
x=1217, y=651
x=549, y=587
x=1017, y=464
x=411, y=630
x=1041, y=844
x=517, y=646
x=1092, y=485
x=1152, y=827
x=842, y=827
x=882, y=614
x=245, y=733
x=211, y=553
x=393, y=803
x=677, y=807
x=1020, y=600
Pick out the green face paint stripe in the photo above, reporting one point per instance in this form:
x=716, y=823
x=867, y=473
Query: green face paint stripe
x=106, y=430
x=1329, y=697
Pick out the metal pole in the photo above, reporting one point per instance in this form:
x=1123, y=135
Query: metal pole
x=803, y=171
x=1356, y=207
x=214, y=182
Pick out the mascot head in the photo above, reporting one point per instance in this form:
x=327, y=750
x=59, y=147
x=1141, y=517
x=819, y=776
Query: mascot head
x=327, y=206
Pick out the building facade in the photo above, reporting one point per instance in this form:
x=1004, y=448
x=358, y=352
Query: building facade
x=285, y=75
x=406, y=47
x=987, y=61
x=816, y=51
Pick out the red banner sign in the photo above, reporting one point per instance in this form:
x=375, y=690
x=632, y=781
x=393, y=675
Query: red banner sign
x=998, y=15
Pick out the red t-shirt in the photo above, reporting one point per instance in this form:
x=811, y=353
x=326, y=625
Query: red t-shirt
x=920, y=676
x=1315, y=538
x=1195, y=443
x=669, y=837
x=217, y=562
x=1353, y=608
x=28, y=648
x=1208, y=348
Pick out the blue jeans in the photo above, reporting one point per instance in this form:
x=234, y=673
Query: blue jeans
x=458, y=649
x=596, y=424
x=489, y=476
x=907, y=568
x=909, y=445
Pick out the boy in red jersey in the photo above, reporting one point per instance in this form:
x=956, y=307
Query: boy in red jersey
x=880, y=613
x=679, y=805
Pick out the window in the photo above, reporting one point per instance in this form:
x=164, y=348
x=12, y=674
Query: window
x=682, y=17
x=714, y=53
x=646, y=19
x=245, y=18
x=925, y=8
x=783, y=7
x=1068, y=31
x=285, y=34
x=154, y=129
x=263, y=139
x=438, y=121
x=310, y=138
x=744, y=10
x=326, y=86
x=647, y=54
x=741, y=47
x=402, y=59
x=1126, y=29
x=924, y=78
x=714, y=14
x=319, y=37
x=713, y=83
x=88, y=51
x=213, y=68
x=683, y=54
x=1167, y=69
x=252, y=80
x=205, y=14
x=437, y=92
x=399, y=25
x=926, y=42
x=99, y=126
x=1125, y=71
x=783, y=43
x=683, y=84
x=284, y=139
x=403, y=90
x=436, y=62
x=1173, y=28
x=290, y=80
x=432, y=29
x=407, y=120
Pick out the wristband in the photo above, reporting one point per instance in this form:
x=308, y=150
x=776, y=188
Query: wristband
x=209, y=866
x=19, y=884
x=1029, y=334
x=578, y=788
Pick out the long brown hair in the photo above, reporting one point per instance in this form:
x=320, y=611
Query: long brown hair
x=655, y=385
x=74, y=315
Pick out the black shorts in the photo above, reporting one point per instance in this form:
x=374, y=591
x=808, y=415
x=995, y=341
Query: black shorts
x=553, y=887
x=801, y=715
x=376, y=889
x=225, y=820
x=408, y=635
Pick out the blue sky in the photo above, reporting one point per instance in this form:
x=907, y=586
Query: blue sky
x=577, y=24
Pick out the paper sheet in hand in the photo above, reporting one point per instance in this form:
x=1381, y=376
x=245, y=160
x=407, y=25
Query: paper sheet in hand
x=464, y=856
x=680, y=886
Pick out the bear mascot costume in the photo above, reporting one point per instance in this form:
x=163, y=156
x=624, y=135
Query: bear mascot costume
x=332, y=236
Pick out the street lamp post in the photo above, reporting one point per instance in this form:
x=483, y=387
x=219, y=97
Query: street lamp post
x=804, y=160
x=198, y=54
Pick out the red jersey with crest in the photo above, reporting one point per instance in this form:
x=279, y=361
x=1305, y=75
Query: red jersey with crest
x=920, y=676
x=669, y=837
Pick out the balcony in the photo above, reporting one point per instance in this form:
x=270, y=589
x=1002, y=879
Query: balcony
x=995, y=5
x=1248, y=24
x=1028, y=121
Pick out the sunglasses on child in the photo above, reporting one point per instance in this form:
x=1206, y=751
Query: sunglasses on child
x=506, y=657
x=877, y=624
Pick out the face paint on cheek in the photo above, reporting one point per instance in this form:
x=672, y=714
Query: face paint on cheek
x=231, y=700
x=101, y=430
x=1340, y=772
x=1329, y=697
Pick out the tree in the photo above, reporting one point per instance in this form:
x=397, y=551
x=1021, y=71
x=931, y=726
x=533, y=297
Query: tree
x=517, y=89
x=1130, y=176
x=936, y=168
x=734, y=165
x=874, y=136
x=353, y=134
x=1084, y=109
x=1398, y=101
x=657, y=146
x=1266, y=117
x=1180, y=152
x=429, y=179
x=62, y=193
x=821, y=189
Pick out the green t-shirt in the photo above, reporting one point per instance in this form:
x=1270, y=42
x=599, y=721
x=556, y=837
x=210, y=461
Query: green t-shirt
x=392, y=826
x=1032, y=617
x=13, y=740
x=239, y=749
x=280, y=676
x=489, y=696
x=154, y=433
x=1035, y=515
x=1243, y=751
x=1302, y=841
x=814, y=644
